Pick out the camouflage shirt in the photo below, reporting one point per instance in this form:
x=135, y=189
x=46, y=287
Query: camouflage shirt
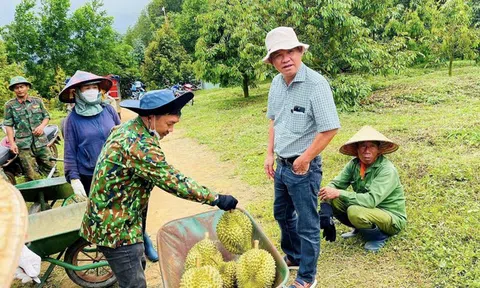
x=130, y=165
x=24, y=117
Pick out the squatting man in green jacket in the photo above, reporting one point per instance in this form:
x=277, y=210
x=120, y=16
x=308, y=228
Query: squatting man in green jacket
x=376, y=207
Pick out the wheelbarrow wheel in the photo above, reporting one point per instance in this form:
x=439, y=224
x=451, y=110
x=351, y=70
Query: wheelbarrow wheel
x=54, y=150
x=11, y=177
x=83, y=253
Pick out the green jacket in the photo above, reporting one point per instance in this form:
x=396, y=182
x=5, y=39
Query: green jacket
x=24, y=118
x=381, y=188
x=130, y=165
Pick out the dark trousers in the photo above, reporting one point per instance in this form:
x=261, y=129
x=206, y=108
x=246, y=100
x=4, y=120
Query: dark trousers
x=128, y=264
x=295, y=209
x=86, y=182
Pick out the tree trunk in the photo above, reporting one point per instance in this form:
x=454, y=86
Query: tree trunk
x=450, y=66
x=245, y=85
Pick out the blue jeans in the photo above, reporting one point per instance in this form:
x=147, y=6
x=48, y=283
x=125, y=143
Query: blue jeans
x=295, y=209
x=127, y=263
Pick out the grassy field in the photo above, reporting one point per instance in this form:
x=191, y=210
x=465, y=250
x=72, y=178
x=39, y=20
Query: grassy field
x=434, y=118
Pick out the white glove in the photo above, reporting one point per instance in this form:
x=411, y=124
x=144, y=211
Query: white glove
x=29, y=266
x=78, y=189
x=20, y=274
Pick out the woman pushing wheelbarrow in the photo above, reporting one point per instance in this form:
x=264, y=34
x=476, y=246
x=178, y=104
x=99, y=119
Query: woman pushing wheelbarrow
x=130, y=164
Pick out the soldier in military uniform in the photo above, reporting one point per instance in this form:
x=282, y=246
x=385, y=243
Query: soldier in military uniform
x=130, y=165
x=28, y=116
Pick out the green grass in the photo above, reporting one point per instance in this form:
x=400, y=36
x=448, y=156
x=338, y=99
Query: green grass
x=434, y=118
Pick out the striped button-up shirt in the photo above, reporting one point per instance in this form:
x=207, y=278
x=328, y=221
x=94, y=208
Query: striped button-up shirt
x=300, y=111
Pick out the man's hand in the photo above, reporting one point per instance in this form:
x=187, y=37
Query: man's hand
x=29, y=266
x=300, y=166
x=326, y=222
x=269, y=166
x=226, y=202
x=38, y=131
x=78, y=189
x=14, y=147
x=328, y=193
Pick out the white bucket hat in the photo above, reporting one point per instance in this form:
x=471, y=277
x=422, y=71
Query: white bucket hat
x=367, y=133
x=282, y=38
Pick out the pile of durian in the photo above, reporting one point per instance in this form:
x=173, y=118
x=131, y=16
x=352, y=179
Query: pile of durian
x=205, y=267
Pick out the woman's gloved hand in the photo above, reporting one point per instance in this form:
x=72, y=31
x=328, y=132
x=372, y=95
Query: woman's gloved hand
x=78, y=189
x=29, y=266
x=226, y=202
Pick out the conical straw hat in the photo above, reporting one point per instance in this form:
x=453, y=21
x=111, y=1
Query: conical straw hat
x=367, y=133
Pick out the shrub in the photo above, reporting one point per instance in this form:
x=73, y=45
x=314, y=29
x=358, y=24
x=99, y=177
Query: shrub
x=350, y=92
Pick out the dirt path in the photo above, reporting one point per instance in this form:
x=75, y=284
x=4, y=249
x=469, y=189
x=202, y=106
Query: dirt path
x=201, y=164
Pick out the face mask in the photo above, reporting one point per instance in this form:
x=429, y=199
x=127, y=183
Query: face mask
x=153, y=131
x=91, y=95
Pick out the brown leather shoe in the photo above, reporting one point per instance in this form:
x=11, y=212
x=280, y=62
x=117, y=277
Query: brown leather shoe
x=291, y=265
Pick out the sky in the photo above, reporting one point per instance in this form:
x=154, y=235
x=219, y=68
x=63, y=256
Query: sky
x=125, y=12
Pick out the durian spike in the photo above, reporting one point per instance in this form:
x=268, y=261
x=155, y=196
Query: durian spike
x=207, y=235
x=255, y=244
x=198, y=263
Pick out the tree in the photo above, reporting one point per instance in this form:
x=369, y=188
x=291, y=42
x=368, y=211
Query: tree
x=453, y=30
x=340, y=41
x=7, y=71
x=54, y=37
x=230, y=47
x=187, y=25
x=40, y=41
x=93, y=41
x=166, y=61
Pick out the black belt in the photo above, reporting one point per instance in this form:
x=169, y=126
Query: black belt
x=287, y=161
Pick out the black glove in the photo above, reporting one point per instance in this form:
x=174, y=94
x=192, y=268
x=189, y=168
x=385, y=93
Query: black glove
x=226, y=202
x=326, y=222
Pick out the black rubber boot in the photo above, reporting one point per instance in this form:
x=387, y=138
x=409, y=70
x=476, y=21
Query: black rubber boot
x=374, y=237
x=150, y=251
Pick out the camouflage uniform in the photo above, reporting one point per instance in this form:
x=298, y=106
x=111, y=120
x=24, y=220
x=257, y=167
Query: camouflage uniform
x=24, y=117
x=130, y=165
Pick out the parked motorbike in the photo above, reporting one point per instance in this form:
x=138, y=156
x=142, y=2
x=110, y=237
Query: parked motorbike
x=180, y=89
x=10, y=162
x=137, y=95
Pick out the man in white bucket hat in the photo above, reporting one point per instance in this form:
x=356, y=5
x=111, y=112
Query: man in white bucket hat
x=303, y=121
x=376, y=207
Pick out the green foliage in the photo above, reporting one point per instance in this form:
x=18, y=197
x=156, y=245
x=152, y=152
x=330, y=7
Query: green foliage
x=7, y=71
x=456, y=37
x=186, y=24
x=341, y=35
x=54, y=103
x=230, y=47
x=350, y=92
x=166, y=61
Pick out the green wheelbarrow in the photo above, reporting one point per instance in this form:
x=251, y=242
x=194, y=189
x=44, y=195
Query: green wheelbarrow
x=177, y=237
x=54, y=232
x=44, y=190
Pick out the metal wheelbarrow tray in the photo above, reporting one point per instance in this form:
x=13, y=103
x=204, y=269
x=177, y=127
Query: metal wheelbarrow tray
x=177, y=237
x=55, y=231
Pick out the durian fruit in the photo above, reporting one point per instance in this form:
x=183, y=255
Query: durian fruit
x=201, y=277
x=228, y=271
x=256, y=269
x=235, y=230
x=206, y=251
